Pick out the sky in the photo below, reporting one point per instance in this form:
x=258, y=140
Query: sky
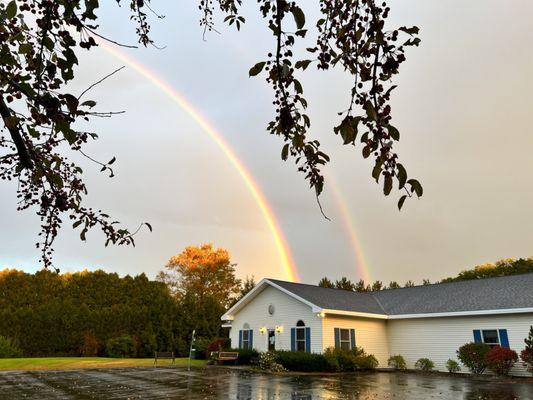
x=462, y=108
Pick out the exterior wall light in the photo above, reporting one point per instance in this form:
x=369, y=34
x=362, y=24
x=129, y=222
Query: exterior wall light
x=321, y=314
x=279, y=329
x=262, y=330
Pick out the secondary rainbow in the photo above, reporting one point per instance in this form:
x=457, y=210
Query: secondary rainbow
x=349, y=227
x=282, y=247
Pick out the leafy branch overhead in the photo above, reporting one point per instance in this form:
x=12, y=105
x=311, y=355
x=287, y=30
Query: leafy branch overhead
x=39, y=43
x=39, y=46
x=351, y=35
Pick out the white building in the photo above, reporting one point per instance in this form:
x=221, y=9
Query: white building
x=430, y=321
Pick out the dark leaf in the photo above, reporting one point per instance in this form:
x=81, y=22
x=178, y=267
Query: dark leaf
x=401, y=201
x=376, y=171
x=257, y=68
x=393, y=132
x=11, y=9
x=387, y=186
x=299, y=17
x=401, y=174
x=285, y=152
x=416, y=187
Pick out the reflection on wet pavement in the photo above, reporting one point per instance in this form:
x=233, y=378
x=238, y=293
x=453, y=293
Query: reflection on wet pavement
x=223, y=383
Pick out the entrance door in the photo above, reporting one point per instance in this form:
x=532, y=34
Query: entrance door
x=271, y=340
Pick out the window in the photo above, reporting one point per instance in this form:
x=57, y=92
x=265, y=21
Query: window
x=300, y=336
x=245, y=339
x=345, y=339
x=490, y=337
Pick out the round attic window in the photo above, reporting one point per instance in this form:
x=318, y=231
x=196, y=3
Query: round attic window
x=271, y=309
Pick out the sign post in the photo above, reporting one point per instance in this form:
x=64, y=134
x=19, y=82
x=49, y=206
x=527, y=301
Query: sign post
x=191, y=349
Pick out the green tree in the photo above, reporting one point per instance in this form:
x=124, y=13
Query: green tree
x=345, y=284
x=409, y=283
x=377, y=286
x=504, y=267
x=40, y=114
x=326, y=283
x=394, y=285
x=360, y=286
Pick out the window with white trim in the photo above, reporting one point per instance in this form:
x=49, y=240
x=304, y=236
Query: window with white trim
x=490, y=337
x=344, y=339
x=300, y=336
x=245, y=337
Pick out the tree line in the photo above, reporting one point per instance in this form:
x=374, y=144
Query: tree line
x=503, y=267
x=70, y=314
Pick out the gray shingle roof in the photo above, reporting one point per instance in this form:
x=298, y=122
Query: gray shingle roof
x=506, y=292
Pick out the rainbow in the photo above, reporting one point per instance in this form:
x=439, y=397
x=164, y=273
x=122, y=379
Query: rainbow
x=282, y=247
x=361, y=265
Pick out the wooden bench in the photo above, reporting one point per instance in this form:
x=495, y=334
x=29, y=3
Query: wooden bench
x=221, y=356
x=160, y=355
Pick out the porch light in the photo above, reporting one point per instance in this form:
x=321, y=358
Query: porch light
x=279, y=329
x=321, y=314
x=262, y=330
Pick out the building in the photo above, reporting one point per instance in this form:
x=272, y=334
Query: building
x=430, y=321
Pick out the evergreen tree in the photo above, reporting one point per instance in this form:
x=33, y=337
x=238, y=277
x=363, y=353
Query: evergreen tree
x=360, y=286
x=394, y=285
x=326, y=283
x=345, y=284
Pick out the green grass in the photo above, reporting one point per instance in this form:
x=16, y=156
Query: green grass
x=44, y=363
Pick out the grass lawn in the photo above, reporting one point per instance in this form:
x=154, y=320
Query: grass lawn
x=44, y=363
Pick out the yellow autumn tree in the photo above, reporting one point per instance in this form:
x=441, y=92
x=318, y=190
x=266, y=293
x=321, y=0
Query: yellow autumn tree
x=202, y=271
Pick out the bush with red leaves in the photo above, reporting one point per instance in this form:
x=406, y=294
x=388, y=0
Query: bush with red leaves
x=501, y=359
x=527, y=358
x=217, y=345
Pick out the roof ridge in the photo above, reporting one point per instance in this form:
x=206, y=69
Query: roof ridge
x=407, y=287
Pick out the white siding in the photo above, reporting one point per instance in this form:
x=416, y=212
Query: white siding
x=439, y=338
x=370, y=334
x=287, y=312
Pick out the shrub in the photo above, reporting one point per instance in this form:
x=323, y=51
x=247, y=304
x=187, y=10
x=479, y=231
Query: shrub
x=527, y=358
x=366, y=362
x=424, y=364
x=89, y=347
x=200, y=347
x=474, y=356
x=501, y=359
x=452, y=366
x=8, y=348
x=121, y=347
x=217, y=345
x=268, y=362
x=349, y=360
x=397, y=362
x=302, y=361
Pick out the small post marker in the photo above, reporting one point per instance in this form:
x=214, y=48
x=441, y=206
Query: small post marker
x=191, y=349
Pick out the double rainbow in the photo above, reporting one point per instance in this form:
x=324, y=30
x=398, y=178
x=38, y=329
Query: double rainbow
x=285, y=257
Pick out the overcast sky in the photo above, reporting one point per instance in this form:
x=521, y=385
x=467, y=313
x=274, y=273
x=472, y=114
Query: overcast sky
x=463, y=107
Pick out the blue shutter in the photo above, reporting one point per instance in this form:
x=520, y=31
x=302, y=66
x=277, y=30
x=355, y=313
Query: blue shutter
x=240, y=339
x=352, y=338
x=308, y=340
x=293, y=339
x=337, y=332
x=504, y=339
x=477, y=336
x=251, y=339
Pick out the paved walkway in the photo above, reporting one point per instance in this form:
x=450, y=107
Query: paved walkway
x=224, y=383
